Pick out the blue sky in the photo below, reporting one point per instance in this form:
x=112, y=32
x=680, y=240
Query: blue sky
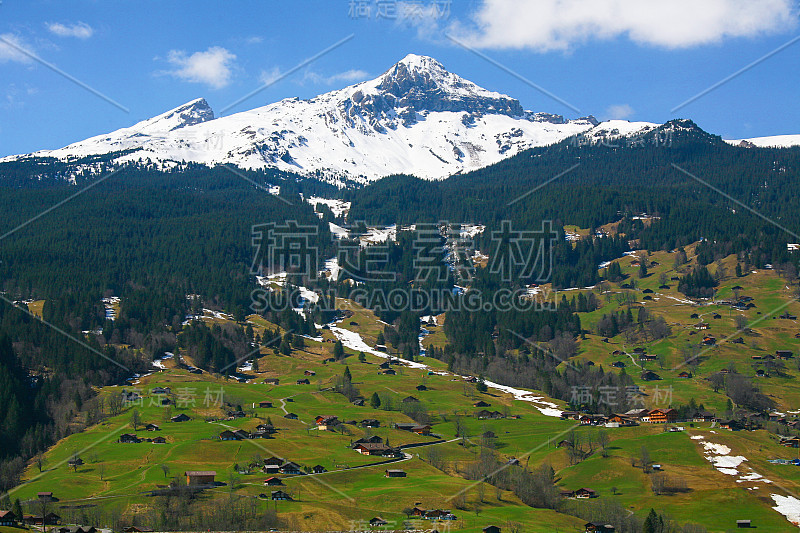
x=632, y=59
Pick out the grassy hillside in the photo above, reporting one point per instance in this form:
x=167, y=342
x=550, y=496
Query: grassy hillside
x=120, y=476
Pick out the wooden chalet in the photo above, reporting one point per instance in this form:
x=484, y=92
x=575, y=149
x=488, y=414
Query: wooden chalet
x=200, y=477
x=242, y=434
x=227, y=435
x=152, y=427
x=50, y=519
x=662, y=416
x=481, y=403
x=280, y=495
x=290, y=416
x=395, y=473
x=373, y=448
x=129, y=438
x=303, y=381
x=595, y=527
x=180, y=418
x=8, y=519
x=273, y=482
x=649, y=375
x=272, y=381
x=291, y=468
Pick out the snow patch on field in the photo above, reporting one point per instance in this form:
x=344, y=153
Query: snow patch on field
x=338, y=207
x=354, y=341
x=788, y=506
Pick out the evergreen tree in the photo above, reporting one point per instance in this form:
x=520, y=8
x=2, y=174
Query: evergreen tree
x=338, y=351
x=375, y=400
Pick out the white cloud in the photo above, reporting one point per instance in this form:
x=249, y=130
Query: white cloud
x=619, y=111
x=256, y=39
x=268, y=77
x=81, y=30
x=214, y=67
x=545, y=25
x=348, y=76
x=9, y=49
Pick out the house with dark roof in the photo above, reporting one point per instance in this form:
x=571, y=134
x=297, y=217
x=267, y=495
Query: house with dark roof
x=200, y=477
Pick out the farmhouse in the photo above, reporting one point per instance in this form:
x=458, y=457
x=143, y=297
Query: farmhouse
x=784, y=354
x=592, y=527
x=491, y=529
x=319, y=469
x=8, y=518
x=395, y=473
x=309, y=373
x=662, y=416
x=389, y=372
x=273, y=482
x=480, y=403
x=685, y=375
x=377, y=522
x=180, y=418
x=365, y=440
x=649, y=375
x=303, y=382
x=152, y=427
x=50, y=519
x=422, y=430
x=129, y=438
x=410, y=399
x=200, y=477
x=373, y=448
x=272, y=381
x=291, y=468
x=290, y=416
x=326, y=421
x=280, y=495
x=227, y=435
x=263, y=404
x=370, y=423
x=159, y=440
x=242, y=434
x=161, y=390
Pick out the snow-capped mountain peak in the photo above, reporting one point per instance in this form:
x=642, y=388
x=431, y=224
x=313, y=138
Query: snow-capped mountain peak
x=416, y=118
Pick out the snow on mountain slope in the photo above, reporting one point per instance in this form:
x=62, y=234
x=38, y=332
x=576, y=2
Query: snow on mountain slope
x=416, y=118
x=774, y=141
